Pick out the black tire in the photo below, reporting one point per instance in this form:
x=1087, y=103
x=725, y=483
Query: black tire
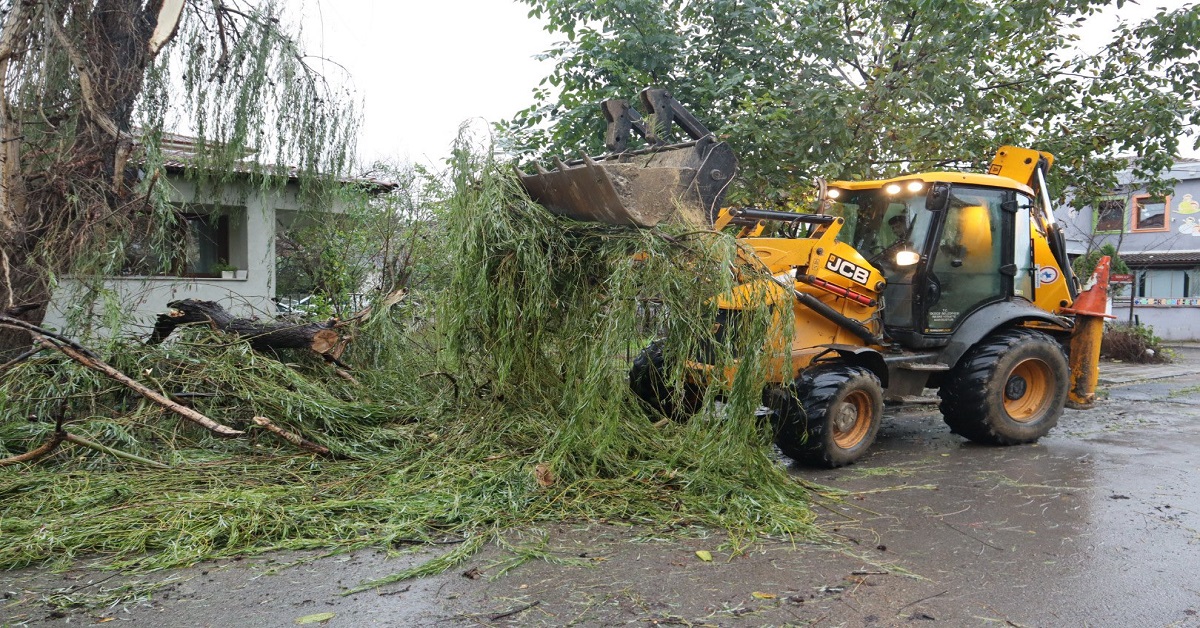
x=830, y=417
x=1007, y=390
x=648, y=378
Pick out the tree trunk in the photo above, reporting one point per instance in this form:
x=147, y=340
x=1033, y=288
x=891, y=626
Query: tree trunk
x=63, y=174
x=319, y=337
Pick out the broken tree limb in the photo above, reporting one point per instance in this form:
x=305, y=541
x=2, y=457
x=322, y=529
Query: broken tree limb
x=290, y=437
x=319, y=337
x=390, y=299
x=36, y=454
x=18, y=310
x=98, y=365
x=59, y=437
x=16, y=323
x=20, y=358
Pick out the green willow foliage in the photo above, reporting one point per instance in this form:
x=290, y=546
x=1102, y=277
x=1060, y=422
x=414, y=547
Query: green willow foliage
x=502, y=402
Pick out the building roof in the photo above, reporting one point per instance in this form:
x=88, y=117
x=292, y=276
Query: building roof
x=1162, y=258
x=179, y=154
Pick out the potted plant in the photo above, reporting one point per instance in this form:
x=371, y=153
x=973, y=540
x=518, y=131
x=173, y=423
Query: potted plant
x=225, y=269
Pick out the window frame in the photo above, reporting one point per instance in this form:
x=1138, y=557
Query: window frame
x=219, y=221
x=1134, y=214
x=217, y=217
x=1125, y=205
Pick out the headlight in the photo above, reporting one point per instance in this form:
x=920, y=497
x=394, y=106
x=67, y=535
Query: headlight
x=907, y=258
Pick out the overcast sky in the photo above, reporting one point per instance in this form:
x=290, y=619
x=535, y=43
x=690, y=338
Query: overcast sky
x=423, y=67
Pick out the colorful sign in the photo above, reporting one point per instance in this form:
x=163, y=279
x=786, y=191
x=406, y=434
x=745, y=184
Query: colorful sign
x=1171, y=302
x=1047, y=274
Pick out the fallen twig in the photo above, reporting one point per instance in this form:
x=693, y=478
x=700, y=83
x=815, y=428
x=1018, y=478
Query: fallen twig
x=971, y=536
x=35, y=454
x=124, y=455
x=927, y=597
x=98, y=365
x=290, y=437
x=397, y=591
x=519, y=609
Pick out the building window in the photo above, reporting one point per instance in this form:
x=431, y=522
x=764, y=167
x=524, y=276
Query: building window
x=193, y=247
x=1109, y=216
x=1150, y=213
x=207, y=244
x=1168, y=283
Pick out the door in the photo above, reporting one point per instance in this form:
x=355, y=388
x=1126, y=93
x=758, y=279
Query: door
x=965, y=270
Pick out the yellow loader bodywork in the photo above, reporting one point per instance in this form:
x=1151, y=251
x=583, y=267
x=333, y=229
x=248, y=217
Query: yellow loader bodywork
x=950, y=280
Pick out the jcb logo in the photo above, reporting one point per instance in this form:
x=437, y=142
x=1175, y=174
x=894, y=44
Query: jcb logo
x=848, y=269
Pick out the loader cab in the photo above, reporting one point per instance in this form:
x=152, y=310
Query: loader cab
x=947, y=243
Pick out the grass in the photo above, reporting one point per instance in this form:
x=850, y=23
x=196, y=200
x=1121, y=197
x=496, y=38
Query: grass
x=503, y=403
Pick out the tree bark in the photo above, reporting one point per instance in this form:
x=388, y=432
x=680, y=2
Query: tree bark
x=68, y=178
x=319, y=337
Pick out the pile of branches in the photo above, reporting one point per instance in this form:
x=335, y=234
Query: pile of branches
x=501, y=402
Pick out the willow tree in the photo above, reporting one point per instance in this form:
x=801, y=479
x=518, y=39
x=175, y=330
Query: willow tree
x=86, y=89
x=865, y=88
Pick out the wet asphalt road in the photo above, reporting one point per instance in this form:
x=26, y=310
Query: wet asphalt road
x=1096, y=525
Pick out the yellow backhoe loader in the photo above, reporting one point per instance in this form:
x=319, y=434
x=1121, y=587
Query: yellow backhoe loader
x=948, y=280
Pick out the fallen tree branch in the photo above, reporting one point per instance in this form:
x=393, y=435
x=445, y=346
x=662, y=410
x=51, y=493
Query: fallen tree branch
x=16, y=323
x=319, y=337
x=20, y=358
x=390, y=299
x=18, y=310
x=98, y=365
x=60, y=436
x=124, y=455
x=36, y=454
x=291, y=437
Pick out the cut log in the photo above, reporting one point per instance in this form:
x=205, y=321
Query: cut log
x=320, y=337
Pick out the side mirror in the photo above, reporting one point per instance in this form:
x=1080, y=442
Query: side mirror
x=938, y=198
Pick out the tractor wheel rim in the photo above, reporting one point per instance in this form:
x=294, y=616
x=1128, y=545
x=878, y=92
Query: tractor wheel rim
x=1027, y=390
x=851, y=419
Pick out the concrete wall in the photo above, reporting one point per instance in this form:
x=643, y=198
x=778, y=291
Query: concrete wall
x=1180, y=233
x=1178, y=321
x=251, y=247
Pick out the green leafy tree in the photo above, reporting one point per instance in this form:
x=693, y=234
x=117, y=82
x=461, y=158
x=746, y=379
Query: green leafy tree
x=86, y=89
x=859, y=88
x=386, y=239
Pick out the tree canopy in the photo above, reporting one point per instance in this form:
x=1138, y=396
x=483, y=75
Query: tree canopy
x=863, y=88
